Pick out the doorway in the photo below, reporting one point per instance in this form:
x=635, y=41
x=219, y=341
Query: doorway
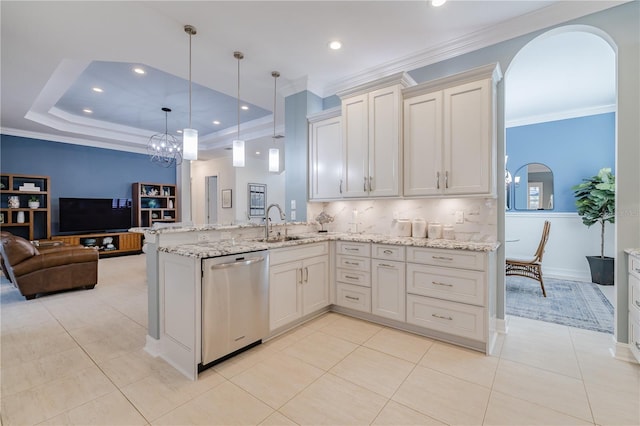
x=549, y=86
x=212, y=199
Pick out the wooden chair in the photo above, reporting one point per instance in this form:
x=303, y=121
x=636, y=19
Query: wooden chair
x=531, y=268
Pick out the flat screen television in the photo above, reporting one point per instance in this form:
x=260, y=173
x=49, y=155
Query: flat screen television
x=94, y=214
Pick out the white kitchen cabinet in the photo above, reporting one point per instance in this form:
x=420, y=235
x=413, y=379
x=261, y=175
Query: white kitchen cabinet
x=388, y=289
x=372, y=138
x=450, y=135
x=353, y=275
x=297, y=287
x=325, y=155
x=634, y=305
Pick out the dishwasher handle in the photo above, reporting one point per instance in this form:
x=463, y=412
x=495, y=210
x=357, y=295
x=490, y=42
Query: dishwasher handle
x=242, y=262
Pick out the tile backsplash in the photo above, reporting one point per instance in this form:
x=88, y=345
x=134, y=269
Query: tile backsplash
x=374, y=216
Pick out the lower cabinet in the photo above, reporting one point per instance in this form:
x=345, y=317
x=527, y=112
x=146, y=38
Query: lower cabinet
x=388, y=289
x=298, y=287
x=634, y=305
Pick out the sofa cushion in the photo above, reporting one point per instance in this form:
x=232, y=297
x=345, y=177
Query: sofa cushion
x=53, y=258
x=17, y=249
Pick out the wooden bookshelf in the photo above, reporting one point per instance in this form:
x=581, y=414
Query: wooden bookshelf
x=154, y=202
x=24, y=221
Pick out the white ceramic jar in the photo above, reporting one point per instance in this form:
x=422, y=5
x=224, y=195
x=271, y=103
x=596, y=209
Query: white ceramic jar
x=435, y=231
x=401, y=228
x=448, y=233
x=419, y=228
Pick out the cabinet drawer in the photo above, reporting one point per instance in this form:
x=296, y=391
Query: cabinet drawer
x=634, y=335
x=383, y=251
x=353, y=263
x=353, y=249
x=354, y=297
x=634, y=266
x=448, y=317
x=452, y=258
x=634, y=294
x=303, y=251
x=457, y=285
x=353, y=277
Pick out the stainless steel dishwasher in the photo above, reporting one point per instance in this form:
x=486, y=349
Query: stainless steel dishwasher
x=235, y=304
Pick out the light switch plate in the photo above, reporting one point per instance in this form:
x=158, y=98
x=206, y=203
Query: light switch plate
x=293, y=204
x=459, y=216
x=293, y=214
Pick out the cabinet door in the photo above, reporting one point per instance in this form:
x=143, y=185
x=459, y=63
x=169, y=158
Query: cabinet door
x=325, y=159
x=284, y=294
x=423, y=145
x=315, y=284
x=388, y=289
x=355, y=146
x=385, y=115
x=468, y=136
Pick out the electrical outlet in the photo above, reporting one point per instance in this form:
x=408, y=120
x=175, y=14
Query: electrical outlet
x=203, y=237
x=293, y=215
x=459, y=216
x=293, y=204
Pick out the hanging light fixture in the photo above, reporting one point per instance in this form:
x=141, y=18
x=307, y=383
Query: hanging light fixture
x=164, y=148
x=274, y=153
x=190, y=135
x=238, y=144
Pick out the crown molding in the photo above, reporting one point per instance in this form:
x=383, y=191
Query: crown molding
x=561, y=115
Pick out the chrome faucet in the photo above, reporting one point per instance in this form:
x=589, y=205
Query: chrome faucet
x=266, y=219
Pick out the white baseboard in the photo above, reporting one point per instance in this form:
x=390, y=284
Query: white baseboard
x=152, y=347
x=622, y=351
x=502, y=325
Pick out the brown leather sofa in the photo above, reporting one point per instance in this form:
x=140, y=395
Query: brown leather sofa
x=36, y=271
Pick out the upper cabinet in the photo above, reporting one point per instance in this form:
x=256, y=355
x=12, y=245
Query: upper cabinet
x=325, y=155
x=372, y=137
x=450, y=135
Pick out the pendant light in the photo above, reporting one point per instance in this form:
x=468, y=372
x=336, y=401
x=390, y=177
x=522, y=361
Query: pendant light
x=238, y=144
x=163, y=148
x=190, y=135
x=274, y=153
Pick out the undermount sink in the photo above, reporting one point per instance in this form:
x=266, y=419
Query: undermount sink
x=282, y=238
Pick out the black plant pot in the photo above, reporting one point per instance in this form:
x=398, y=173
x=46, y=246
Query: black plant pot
x=601, y=269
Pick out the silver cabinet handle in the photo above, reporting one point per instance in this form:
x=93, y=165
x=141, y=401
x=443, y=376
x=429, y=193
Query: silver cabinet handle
x=352, y=277
x=306, y=274
x=437, y=180
x=442, y=317
x=351, y=263
x=341, y=186
x=637, y=302
x=637, y=269
x=384, y=265
x=241, y=261
x=352, y=298
x=441, y=258
x=638, y=345
x=388, y=252
x=442, y=284
x=351, y=249
x=446, y=179
x=365, y=184
x=370, y=186
x=299, y=275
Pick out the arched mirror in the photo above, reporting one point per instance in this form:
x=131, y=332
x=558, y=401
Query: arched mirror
x=533, y=187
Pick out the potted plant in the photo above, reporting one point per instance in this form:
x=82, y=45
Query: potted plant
x=595, y=202
x=34, y=202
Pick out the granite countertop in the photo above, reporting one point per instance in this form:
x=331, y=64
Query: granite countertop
x=178, y=227
x=235, y=246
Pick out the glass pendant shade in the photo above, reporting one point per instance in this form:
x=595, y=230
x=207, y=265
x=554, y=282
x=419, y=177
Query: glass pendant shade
x=238, y=153
x=274, y=160
x=190, y=144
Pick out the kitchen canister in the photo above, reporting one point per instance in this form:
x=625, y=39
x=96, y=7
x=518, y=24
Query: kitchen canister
x=419, y=228
x=448, y=233
x=434, y=231
x=401, y=228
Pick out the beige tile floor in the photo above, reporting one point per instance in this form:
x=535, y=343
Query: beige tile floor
x=77, y=358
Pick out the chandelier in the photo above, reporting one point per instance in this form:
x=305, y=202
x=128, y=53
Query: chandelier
x=164, y=148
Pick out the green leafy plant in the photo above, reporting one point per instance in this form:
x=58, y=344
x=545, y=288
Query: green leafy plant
x=34, y=198
x=596, y=201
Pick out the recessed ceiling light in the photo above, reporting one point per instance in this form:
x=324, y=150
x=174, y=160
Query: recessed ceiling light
x=244, y=107
x=87, y=111
x=97, y=89
x=139, y=70
x=257, y=152
x=438, y=3
x=335, y=45
x=216, y=122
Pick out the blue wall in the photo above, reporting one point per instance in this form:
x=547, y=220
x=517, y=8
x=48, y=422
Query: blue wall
x=573, y=149
x=79, y=171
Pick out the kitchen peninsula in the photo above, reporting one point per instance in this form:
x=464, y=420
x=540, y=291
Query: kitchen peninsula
x=444, y=289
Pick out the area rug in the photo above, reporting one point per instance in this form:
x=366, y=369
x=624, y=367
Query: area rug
x=572, y=303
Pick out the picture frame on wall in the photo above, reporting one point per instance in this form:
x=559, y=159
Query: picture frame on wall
x=257, y=199
x=226, y=199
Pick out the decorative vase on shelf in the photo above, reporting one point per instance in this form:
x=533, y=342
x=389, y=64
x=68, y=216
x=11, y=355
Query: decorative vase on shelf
x=34, y=204
x=20, y=217
x=170, y=204
x=14, y=202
